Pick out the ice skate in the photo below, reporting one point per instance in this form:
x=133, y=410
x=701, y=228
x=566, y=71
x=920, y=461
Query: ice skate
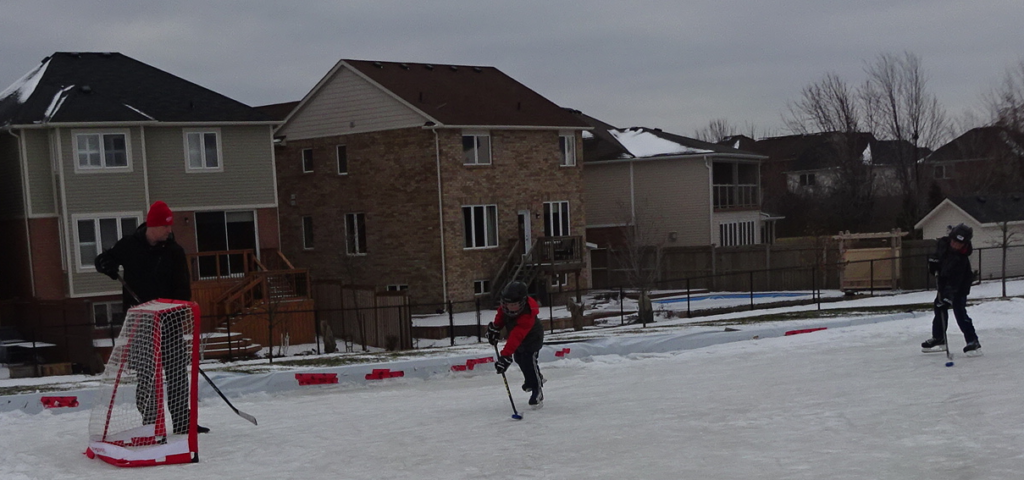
x=973, y=349
x=537, y=400
x=933, y=345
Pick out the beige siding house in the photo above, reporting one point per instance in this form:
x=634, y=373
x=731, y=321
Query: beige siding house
x=672, y=191
x=987, y=215
x=429, y=179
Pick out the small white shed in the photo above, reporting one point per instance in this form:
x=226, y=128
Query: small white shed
x=987, y=215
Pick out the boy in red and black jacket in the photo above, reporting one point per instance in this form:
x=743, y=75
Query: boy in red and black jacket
x=518, y=313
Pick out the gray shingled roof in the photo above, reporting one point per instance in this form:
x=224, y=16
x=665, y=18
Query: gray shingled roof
x=992, y=208
x=111, y=87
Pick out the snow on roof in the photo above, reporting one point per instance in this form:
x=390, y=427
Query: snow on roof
x=866, y=155
x=140, y=112
x=642, y=143
x=587, y=134
x=57, y=101
x=25, y=85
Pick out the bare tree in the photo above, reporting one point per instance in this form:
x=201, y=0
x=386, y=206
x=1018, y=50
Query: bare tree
x=900, y=108
x=716, y=130
x=1005, y=102
x=639, y=254
x=829, y=105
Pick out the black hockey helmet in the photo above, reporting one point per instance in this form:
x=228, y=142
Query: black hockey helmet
x=961, y=233
x=513, y=298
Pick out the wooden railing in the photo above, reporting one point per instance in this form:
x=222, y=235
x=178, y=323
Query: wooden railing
x=222, y=264
x=264, y=287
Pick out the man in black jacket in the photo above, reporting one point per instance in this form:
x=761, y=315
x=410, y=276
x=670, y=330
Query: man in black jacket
x=952, y=264
x=155, y=266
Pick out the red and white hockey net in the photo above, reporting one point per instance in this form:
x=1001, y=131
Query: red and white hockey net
x=146, y=409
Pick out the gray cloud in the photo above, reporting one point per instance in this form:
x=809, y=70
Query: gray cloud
x=673, y=65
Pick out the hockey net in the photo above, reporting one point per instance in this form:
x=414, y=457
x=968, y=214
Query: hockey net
x=146, y=407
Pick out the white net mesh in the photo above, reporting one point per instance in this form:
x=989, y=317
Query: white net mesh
x=148, y=384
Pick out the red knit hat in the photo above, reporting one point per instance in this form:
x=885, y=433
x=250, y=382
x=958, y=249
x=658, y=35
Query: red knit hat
x=159, y=215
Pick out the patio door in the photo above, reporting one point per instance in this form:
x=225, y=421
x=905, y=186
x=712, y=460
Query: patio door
x=525, y=235
x=220, y=231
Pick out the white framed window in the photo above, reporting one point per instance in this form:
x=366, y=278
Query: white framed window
x=202, y=150
x=481, y=287
x=807, y=179
x=736, y=233
x=355, y=233
x=102, y=151
x=480, y=226
x=397, y=287
x=307, y=160
x=556, y=219
x=107, y=314
x=342, y=153
x=567, y=149
x=476, y=148
x=96, y=234
x=307, y=232
x=559, y=280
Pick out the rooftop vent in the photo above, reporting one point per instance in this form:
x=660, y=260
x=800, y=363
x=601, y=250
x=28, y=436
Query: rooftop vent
x=428, y=67
x=404, y=66
x=477, y=69
x=454, y=68
x=378, y=64
x=85, y=89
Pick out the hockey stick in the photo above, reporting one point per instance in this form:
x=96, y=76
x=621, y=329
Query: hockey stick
x=240, y=413
x=515, y=413
x=945, y=325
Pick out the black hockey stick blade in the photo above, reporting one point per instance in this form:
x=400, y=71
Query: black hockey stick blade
x=251, y=419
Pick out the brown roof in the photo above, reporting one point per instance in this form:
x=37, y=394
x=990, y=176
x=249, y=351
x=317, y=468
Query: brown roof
x=277, y=111
x=466, y=95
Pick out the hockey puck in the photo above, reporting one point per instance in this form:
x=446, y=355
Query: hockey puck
x=949, y=364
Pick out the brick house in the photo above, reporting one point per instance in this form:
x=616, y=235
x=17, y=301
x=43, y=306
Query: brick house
x=431, y=179
x=981, y=161
x=87, y=142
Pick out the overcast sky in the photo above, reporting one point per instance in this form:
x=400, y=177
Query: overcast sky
x=668, y=64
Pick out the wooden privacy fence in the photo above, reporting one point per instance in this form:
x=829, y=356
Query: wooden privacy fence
x=361, y=315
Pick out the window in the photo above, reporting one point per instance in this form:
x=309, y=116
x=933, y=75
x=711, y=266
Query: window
x=567, y=147
x=355, y=233
x=307, y=233
x=559, y=280
x=397, y=287
x=940, y=172
x=202, y=151
x=342, y=160
x=481, y=226
x=307, y=160
x=100, y=151
x=219, y=230
x=476, y=149
x=736, y=233
x=556, y=219
x=107, y=314
x=481, y=287
x=98, y=234
x=807, y=179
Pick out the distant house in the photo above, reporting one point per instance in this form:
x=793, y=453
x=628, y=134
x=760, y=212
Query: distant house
x=442, y=181
x=982, y=161
x=677, y=191
x=88, y=141
x=807, y=168
x=988, y=216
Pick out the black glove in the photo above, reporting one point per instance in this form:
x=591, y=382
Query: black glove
x=943, y=303
x=502, y=364
x=493, y=334
x=107, y=266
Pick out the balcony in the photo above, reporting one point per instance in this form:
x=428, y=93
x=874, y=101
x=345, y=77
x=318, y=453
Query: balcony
x=736, y=197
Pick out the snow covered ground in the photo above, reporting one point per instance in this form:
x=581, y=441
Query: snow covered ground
x=843, y=403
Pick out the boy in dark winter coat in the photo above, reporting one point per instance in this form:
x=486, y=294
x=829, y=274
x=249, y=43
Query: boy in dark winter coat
x=951, y=263
x=518, y=313
x=155, y=266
